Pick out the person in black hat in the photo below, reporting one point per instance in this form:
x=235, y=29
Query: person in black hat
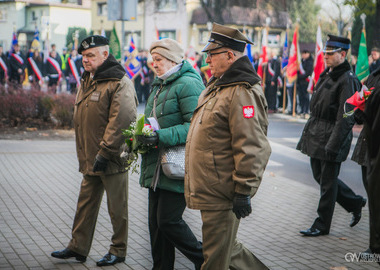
x=327, y=136
x=105, y=105
x=227, y=150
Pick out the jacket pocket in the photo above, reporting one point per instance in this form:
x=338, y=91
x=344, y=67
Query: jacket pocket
x=211, y=174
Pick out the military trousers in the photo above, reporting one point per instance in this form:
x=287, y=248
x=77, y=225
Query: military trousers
x=373, y=177
x=89, y=201
x=221, y=250
x=332, y=190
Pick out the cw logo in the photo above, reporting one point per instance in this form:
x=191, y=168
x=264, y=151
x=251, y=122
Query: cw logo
x=352, y=257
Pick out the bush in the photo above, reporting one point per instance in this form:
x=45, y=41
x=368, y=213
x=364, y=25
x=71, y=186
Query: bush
x=63, y=109
x=35, y=108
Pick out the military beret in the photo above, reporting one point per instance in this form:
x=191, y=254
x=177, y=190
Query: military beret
x=92, y=42
x=224, y=36
x=335, y=44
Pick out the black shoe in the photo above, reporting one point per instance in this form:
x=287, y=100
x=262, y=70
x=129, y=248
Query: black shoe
x=313, y=232
x=109, y=259
x=67, y=253
x=356, y=216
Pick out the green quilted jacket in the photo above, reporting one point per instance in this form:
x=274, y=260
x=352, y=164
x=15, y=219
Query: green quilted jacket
x=175, y=106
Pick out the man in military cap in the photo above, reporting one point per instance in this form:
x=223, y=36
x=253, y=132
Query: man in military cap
x=327, y=136
x=227, y=150
x=105, y=104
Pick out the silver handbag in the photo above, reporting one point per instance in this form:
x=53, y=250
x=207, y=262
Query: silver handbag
x=173, y=162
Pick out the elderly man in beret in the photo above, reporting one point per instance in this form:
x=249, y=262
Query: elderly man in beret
x=105, y=104
x=227, y=150
x=327, y=136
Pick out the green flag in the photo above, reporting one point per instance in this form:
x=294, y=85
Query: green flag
x=115, y=44
x=362, y=67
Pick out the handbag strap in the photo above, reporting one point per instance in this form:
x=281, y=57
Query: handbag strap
x=155, y=102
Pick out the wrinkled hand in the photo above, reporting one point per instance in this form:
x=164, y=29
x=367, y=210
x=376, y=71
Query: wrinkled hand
x=100, y=164
x=148, y=140
x=241, y=205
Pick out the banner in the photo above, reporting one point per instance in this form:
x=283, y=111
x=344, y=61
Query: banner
x=114, y=44
x=36, y=40
x=132, y=64
x=362, y=66
x=263, y=55
x=294, y=55
x=319, y=62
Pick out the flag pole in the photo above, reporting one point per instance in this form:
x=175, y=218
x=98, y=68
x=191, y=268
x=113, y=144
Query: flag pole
x=284, y=97
x=294, y=97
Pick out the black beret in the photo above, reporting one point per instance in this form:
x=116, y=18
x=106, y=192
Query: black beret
x=92, y=42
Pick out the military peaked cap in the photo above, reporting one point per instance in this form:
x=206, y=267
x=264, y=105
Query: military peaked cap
x=335, y=44
x=92, y=42
x=224, y=36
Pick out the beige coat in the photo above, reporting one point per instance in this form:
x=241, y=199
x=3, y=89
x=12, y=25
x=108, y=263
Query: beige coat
x=227, y=148
x=104, y=106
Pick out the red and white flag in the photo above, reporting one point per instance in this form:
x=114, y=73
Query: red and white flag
x=35, y=68
x=263, y=55
x=319, y=63
x=294, y=58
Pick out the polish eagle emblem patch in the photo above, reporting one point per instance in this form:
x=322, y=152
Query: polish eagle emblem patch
x=248, y=111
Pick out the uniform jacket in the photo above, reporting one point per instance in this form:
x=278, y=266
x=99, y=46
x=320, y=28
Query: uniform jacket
x=14, y=65
x=374, y=66
x=2, y=72
x=275, y=66
x=104, y=106
x=327, y=129
x=227, y=148
x=176, y=101
x=307, y=66
x=359, y=154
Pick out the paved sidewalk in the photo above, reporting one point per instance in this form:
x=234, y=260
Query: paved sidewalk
x=39, y=185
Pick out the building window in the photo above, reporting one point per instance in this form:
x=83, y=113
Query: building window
x=102, y=9
x=3, y=14
x=274, y=39
x=167, y=5
x=203, y=36
x=167, y=34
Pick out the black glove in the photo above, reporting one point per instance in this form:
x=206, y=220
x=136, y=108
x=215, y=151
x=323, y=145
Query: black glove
x=148, y=140
x=241, y=205
x=331, y=155
x=100, y=164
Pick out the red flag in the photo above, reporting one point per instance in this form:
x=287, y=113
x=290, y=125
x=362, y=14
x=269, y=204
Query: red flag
x=294, y=55
x=319, y=64
x=263, y=56
x=157, y=33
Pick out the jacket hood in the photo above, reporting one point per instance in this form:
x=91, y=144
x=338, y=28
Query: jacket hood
x=337, y=71
x=240, y=71
x=110, y=69
x=186, y=68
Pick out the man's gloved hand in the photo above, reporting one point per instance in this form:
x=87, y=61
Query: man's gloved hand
x=148, y=140
x=242, y=205
x=100, y=164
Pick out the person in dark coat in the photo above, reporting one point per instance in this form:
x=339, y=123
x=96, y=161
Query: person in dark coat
x=375, y=53
x=35, y=68
x=327, y=136
x=17, y=66
x=306, y=69
x=4, y=65
x=271, y=75
x=74, y=65
x=366, y=153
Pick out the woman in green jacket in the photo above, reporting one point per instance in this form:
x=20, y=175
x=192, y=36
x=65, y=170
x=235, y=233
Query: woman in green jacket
x=174, y=96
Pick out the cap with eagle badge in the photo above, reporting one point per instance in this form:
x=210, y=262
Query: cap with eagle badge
x=224, y=36
x=336, y=44
x=92, y=42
